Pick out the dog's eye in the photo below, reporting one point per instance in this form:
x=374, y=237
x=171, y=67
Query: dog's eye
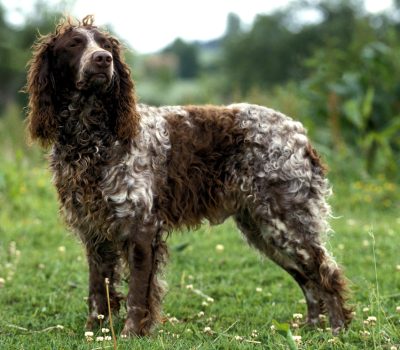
x=107, y=46
x=75, y=42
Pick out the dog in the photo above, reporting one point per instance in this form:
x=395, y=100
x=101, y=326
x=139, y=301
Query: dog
x=127, y=174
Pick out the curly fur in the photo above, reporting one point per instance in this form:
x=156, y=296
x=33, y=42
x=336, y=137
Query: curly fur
x=128, y=173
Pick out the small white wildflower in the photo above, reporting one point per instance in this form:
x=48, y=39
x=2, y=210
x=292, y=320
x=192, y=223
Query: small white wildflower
x=397, y=308
x=173, y=320
x=88, y=334
x=371, y=319
x=124, y=336
x=295, y=325
x=297, y=338
x=204, y=303
x=207, y=330
x=219, y=247
x=322, y=317
x=2, y=282
x=258, y=289
x=188, y=330
x=365, y=333
x=100, y=317
x=200, y=314
x=393, y=347
x=189, y=286
x=365, y=309
x=210, y=300
x=89, y=339
x=107, y=337
x=99, y=338
x=302, y=301
x=297, y=316
x=398, y=267
x=272, y=328
x=107, y=280
x=332, y=340
x=238, y=338
x=161, y=331
x=105, y=330
x=61, y=249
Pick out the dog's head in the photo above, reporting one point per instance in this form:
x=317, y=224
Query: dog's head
x=77, y=57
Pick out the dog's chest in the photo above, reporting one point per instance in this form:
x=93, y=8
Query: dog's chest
x=100, y=192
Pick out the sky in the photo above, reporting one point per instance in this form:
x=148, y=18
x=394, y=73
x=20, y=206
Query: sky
x=150, y=25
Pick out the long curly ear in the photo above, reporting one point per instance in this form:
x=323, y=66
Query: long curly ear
x=40, y=86
x=124, y=100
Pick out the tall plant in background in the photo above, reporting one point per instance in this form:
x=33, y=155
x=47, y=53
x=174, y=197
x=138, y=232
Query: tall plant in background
x=356, y=94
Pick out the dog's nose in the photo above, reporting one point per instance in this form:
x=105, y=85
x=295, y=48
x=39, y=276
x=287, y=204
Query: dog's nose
x=102, y=59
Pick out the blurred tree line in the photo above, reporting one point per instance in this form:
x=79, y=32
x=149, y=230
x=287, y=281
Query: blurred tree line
x=327, y=62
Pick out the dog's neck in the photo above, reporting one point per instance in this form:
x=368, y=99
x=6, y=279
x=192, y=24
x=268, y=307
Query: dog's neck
x=85, y=126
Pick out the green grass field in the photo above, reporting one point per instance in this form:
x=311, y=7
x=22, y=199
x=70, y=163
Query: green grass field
x=221, y=294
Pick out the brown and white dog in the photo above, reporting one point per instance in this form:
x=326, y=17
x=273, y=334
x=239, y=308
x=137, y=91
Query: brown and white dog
x=127, y=174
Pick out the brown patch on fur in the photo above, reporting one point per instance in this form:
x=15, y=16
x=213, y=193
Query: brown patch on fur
x=316, y=160
x=197, y=179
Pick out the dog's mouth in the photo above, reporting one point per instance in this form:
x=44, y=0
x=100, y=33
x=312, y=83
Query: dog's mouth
x=94, y=81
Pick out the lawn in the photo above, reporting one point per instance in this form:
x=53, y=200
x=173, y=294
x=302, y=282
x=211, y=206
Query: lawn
x=221, y=294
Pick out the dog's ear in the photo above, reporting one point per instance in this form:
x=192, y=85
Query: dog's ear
x=124, y=111
x=40, y=86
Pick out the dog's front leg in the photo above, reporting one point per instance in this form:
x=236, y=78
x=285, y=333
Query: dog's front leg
x=103, y=263
x=145, y=255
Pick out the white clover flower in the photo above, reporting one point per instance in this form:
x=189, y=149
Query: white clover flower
x=200, y=314
x=365, y=309
x=210, y=300
x=297, y=338
x=207, y=330
x=105, y=330
x=189, y=286
x=204, y=303
x=100, y=317
x=107, y=337
x=238, y=338
x=297, y=316
x=99, y=339
x=258, y=289
x=219, y=248
x=89, y=334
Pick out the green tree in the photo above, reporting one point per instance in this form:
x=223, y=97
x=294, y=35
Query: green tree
x=187, y=54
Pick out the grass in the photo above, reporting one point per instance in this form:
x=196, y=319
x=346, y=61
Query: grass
x=222, y=295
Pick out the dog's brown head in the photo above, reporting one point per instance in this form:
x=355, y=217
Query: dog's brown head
x=78, y=57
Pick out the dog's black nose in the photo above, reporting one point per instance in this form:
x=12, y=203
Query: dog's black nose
x=102, y=59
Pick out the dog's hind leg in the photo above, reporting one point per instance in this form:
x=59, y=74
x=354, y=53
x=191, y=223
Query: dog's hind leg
x=253, y=233
x=298, y=250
